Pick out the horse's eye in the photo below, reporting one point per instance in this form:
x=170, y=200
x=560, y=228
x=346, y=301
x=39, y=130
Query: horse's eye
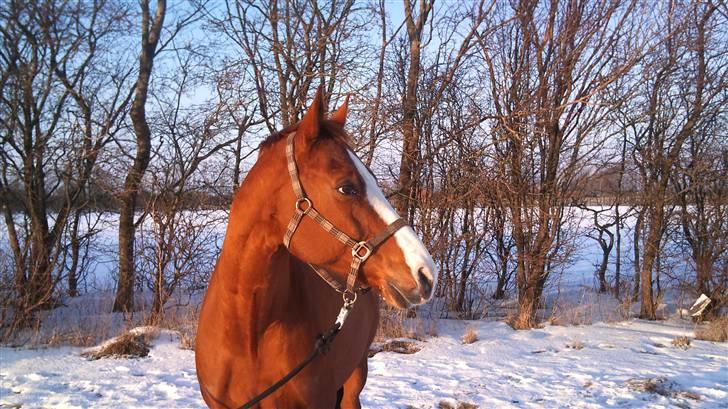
x=347, y=190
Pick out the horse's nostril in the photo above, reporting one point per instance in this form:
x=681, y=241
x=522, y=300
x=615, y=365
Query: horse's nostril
x=425, y=282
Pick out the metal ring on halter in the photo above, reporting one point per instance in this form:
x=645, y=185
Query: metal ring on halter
x=358, y=247
x=349, y=297
x=306, y=200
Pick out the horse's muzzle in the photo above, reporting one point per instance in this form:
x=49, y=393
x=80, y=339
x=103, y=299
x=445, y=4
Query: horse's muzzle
x=425, y=283
x=406, y=298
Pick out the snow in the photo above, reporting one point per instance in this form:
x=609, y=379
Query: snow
x=570, y=367
x=566, y=367
x=585, y=366
x=62, y=378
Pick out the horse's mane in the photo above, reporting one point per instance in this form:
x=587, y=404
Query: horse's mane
x=329, y=130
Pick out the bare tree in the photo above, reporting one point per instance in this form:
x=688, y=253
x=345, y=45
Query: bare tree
x=236, y=98
x=545, y=71
x=452, y=216
x=454, y=48
x=375, y=128
x=605, y=238
x=407, y=169
x=701, y=185
x=151, y=31
x=179, y=245
x=288, y=46
x=150, y=47
x=683, y=83
x=61, y=104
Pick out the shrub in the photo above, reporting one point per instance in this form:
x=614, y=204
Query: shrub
x=470, y=336
x=432, y=328
x=397, y=346
x=577, y=345
x=716, y=330
x=396, y=324
x=182, y=319
x=681, y=342
x=455, y=404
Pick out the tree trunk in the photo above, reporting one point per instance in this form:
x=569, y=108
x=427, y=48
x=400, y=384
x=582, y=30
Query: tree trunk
x=652, y=248
x=160, y=297
x=528, y=300
x=500, y=289
x=124, y=301
x=411, y=139
x=40, y=284
x=618, y=255
x=618, y=221
x=636, y=250
x=603, y=270
x=607, y=246
x=530, y=278
x=75, y=254
x=237, y=170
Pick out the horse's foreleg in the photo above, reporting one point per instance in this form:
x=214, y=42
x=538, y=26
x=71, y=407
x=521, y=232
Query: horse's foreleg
x=354, y=385
x=339, y=397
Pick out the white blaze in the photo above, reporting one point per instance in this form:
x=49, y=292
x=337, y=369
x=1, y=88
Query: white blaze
x=415, y=253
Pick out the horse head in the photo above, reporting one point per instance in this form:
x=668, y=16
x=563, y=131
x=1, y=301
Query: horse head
x=345, y=192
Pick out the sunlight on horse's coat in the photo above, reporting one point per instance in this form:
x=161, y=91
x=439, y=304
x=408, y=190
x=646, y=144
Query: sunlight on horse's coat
x=266, y=308
x=415, y=254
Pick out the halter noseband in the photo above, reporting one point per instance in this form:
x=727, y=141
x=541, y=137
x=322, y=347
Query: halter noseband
x=360, y=250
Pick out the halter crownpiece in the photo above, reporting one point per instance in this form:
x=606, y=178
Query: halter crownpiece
x=360, y=250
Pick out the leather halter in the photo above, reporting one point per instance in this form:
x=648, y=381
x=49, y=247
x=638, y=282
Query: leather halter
x=360, y=250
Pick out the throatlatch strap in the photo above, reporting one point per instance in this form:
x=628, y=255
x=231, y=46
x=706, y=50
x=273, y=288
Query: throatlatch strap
x=328, y=278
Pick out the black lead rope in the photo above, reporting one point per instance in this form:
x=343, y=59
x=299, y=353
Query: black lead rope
x=322, y=346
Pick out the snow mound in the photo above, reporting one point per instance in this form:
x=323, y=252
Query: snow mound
x=133, y=344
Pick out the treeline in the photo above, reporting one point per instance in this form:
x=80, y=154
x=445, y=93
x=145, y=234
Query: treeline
x=104, y=201
x=490, y=123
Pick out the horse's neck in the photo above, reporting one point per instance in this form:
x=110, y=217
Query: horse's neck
x=248, y=250
x=253, y=268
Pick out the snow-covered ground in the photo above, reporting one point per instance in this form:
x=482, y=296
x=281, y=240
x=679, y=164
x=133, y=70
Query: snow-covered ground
x=608, y=364
x=555, y=367
x=594, y=366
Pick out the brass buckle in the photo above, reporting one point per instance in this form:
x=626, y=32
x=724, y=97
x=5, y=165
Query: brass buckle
x=358, y=247
x=299, y=202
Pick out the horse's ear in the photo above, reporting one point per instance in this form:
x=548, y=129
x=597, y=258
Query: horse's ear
x=339, y=117
x=311, y=123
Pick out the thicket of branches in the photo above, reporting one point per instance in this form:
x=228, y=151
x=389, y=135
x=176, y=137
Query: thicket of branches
x=492, y=124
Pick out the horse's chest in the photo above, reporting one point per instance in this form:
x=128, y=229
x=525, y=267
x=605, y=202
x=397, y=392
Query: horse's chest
x=289, y=342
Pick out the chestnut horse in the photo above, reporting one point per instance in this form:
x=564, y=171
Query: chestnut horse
x=265, y=305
